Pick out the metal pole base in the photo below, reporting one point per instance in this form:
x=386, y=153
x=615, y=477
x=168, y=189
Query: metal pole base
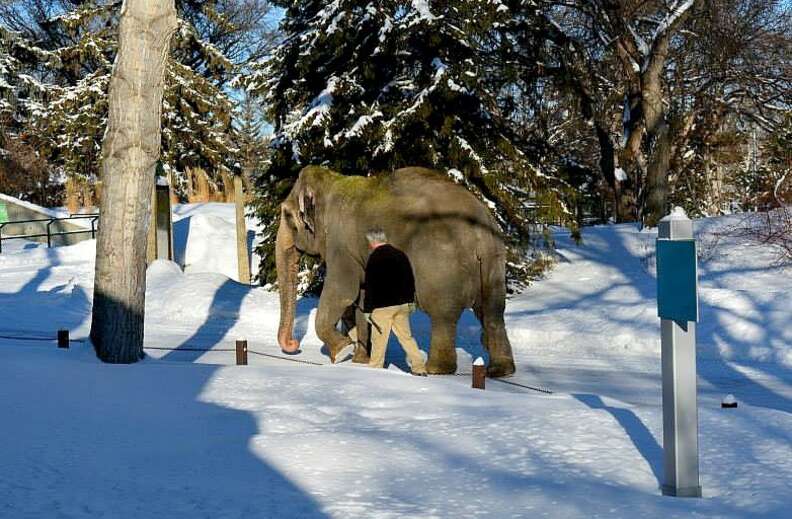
x=681, y=492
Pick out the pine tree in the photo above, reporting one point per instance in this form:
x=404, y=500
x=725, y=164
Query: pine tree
x=22, y=95
x=9, y=71
x=197, y=112
x=367, y=87
x=250, y=139
x=24, y=172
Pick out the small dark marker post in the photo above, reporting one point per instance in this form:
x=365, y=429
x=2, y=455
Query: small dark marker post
x=479, y=373
x=241, y=352
x=63, y=339
x=729, y=402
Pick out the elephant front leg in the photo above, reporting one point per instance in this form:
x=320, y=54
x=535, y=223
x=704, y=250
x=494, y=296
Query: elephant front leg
x=442, y=351
x=331, y=308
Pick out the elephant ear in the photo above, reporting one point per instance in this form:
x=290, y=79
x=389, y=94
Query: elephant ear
x=308, y=210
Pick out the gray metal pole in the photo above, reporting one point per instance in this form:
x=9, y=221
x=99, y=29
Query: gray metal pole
x=680, y=407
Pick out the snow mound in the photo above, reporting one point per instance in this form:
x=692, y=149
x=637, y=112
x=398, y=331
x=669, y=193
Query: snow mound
x=179, y=296
x=163, y=269
x=215, y=250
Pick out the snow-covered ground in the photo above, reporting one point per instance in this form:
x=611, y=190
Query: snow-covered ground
x=187, y=434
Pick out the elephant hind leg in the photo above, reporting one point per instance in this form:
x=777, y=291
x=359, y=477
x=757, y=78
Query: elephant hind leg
x=495, y=340
x=442, y=351
x=489, y=308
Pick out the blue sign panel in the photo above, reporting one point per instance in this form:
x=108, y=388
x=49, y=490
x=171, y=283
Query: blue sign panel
x=677, y=298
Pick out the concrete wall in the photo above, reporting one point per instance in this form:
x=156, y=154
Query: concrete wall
x=20, y=210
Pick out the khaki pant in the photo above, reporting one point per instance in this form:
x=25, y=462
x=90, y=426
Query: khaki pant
x=396, y=318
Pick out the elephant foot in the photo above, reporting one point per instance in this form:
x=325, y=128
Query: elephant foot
x=361, y=356
x=339, y=350
x=441, y=366
x=500, y=367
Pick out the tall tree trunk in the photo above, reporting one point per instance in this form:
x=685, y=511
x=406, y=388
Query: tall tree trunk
x=243, y=265
x=608, y=167
x=656, y=194
x=131, y=148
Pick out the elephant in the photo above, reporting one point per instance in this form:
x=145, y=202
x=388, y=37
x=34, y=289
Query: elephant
x=455, y=248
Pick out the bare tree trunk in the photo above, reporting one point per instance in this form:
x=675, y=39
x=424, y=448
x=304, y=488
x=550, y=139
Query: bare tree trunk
x=654, y=205
x=243, y=266
x=130, y=149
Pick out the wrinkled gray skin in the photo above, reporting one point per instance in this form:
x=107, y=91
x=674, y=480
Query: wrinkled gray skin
x=455, y=249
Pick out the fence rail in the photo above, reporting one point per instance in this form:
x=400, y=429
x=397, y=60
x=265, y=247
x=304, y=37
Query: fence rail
x=94, y=218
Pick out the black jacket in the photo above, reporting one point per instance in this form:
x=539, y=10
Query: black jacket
x=389, y=279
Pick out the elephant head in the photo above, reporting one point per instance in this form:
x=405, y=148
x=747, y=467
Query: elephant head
x=298, y=233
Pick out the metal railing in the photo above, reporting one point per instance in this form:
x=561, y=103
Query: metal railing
x=94, y=218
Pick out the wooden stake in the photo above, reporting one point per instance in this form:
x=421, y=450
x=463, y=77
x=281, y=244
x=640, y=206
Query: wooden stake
x=241, y=352
x=63, y=339
x=479, y=373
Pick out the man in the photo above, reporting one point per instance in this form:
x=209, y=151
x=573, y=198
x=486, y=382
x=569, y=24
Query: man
x=390, y=291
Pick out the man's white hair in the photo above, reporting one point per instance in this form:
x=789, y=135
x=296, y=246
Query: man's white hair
x=376, y=236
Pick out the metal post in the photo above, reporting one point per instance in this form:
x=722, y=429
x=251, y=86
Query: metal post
x=479, y=373
x=49, y=236
x=678, y=349
x=63, y=339
x=241, y=352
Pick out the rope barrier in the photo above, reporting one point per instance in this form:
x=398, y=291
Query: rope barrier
x=301, y=361
x=524, y=386
x=261, y=354
x=32, y=338
x=186, y=349
x=532, y=388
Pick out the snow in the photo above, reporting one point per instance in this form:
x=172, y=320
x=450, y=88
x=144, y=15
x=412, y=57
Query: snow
x=214, y=250
x=677, y=214
x=456, y=175
x=188, y=434
x=319, y=108
x=422, y=8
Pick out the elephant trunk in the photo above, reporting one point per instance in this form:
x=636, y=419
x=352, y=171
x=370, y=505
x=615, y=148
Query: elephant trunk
x=287, y=260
